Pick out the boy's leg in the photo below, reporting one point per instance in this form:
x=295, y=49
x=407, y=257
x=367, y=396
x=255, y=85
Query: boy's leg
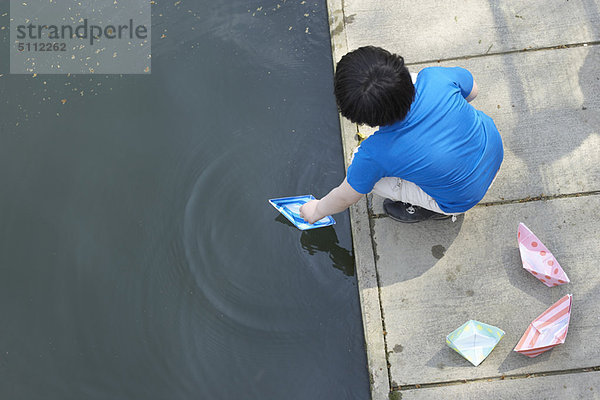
x=397, y=189
x=407, y=202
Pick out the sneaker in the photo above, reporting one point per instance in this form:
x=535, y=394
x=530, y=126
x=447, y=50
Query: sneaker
x=404, y=212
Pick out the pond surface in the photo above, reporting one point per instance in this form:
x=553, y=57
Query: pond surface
x=139, y=257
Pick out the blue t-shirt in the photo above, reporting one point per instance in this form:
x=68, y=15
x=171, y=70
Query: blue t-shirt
x=444, y=145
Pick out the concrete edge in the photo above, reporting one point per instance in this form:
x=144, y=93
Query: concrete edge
x=361, y=235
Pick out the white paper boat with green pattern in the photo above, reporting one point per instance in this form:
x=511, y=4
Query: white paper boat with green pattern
x=474, y=340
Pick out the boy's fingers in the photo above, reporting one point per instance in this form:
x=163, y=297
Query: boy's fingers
x=302, y=214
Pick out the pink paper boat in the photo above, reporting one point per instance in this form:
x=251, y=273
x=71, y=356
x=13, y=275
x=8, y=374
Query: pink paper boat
x=547, y=330
x=538, y=260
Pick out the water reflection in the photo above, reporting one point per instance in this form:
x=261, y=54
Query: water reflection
x=325, y=240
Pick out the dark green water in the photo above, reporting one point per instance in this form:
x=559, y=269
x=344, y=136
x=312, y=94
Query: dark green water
x=139, y=258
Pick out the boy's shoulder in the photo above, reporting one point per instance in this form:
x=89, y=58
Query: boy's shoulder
x=430, y=75
x=450, y=77
x=435, y=71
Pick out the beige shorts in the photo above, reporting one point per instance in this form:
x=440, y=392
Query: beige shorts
x=401, y=190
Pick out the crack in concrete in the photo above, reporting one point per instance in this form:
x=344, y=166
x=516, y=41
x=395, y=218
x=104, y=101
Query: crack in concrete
x=375, y=257
x=541, y=197
x=528, y=199
x=562, y=46
x=495, y=378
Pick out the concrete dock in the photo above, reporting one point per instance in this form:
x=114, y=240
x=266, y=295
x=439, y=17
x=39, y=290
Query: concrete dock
x=537, y=65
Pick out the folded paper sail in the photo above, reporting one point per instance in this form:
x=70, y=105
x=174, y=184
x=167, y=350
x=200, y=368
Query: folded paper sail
x=289, y=207
x=538, y=260
x=547, y=330
x=474, y=340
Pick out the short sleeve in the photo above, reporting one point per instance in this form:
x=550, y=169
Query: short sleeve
x=364, y=172
x=461, y=78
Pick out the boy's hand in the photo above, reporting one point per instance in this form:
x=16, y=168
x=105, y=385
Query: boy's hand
x=339, y=199
x=308, y=212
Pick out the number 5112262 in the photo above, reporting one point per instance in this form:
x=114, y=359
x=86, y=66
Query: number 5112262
x=41, y=46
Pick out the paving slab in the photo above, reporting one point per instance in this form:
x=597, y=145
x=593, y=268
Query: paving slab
x=433, y=276
x=558, y=387
x=436, y=275
x=546, y=105
x=433, y=30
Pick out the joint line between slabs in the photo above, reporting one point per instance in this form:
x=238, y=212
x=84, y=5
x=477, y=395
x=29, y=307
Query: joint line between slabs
x=541, y=197
x=497, y=378
x=519, y=201
x=526, y=50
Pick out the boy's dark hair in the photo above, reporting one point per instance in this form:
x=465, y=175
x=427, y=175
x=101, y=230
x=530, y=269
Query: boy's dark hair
x=373, y=87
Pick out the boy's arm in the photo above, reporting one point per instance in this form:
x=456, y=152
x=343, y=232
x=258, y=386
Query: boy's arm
x=461, y=78
x=473, y=93
x=339, y=199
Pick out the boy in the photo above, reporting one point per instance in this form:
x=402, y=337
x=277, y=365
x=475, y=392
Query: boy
x=434, y=154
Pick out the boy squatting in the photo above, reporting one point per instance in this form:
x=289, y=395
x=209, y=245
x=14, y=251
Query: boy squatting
x=434, y=154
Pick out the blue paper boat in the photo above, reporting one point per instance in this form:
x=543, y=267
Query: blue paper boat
x=290, y=208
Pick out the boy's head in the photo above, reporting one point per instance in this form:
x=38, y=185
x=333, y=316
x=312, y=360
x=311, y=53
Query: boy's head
x=373, y=87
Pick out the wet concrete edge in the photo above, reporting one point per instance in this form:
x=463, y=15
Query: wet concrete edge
x=364, y=252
